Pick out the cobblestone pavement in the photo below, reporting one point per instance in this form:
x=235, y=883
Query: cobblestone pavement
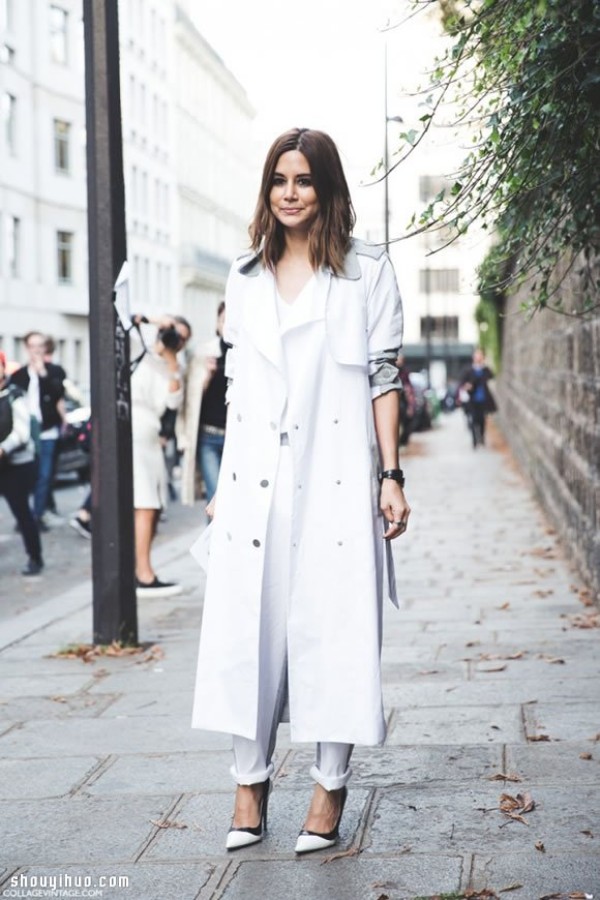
x=487, y=784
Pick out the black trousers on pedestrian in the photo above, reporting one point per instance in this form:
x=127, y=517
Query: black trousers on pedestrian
x=16, y=484
x=478, y=422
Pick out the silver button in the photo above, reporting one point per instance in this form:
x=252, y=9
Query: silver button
x=256, y=542
x=299, y=487
x=336, y=421
x=239, y=417
x=273, y=425
x=264, y=483
x=338, y=482
x=296, y=427
x=234, y=476
x=340, y=543
x=228, y=536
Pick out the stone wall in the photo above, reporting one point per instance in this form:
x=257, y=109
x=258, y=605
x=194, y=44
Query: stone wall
x=549, y=399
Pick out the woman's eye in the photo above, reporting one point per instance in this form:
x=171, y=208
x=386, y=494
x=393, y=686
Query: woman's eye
x=304, y=182
x=278, y=180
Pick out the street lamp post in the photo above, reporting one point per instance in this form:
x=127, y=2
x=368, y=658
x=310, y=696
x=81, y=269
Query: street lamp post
x=386, y=155
x=113, y=575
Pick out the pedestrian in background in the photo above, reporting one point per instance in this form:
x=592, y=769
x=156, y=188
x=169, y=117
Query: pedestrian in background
x=156, y=385
x=50, y=514
x=475, y=381
x=310, y=493
x=43, y=383
x=17, y=467
x=201, y=424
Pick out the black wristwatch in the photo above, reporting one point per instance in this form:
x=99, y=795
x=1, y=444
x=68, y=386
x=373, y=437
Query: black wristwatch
x=393, y=475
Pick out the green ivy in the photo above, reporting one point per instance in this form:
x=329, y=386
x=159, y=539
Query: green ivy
x=525, y=75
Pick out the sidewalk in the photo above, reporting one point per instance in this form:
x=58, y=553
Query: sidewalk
x=488, y=673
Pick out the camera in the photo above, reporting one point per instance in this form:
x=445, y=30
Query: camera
x=170, y=338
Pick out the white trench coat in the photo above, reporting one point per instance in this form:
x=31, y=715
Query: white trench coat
x=340, y=565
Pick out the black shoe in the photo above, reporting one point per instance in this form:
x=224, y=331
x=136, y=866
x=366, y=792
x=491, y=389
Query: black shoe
x=156, y=588
x=81, y=527
x=309, y=841
x=244, y=837
x=42, y=526
x=33, y=567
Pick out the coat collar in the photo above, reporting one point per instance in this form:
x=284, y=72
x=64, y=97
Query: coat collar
x=251, y=265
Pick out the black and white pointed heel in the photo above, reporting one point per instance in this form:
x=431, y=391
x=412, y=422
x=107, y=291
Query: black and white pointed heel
x=244, y=837
x=309, y=841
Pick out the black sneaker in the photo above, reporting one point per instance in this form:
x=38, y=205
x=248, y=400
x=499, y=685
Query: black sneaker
x=81, y=527
x=33, y=567
x=156, y=588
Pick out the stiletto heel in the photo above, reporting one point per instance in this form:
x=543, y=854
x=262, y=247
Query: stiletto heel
x=308, y=841
x=244, y=837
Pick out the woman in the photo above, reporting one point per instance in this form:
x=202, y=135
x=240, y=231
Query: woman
x=201, y=423
x=156, y=385
x=17, y=467
x=299, y=551
x=480, y=402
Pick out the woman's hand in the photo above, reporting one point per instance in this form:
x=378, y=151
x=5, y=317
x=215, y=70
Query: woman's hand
x=394, y=507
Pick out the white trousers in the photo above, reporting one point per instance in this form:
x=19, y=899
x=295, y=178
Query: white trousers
x=253, y=759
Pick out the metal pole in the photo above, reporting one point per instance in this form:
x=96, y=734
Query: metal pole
x=386, y=164
x=428, y=325
x=113, y=576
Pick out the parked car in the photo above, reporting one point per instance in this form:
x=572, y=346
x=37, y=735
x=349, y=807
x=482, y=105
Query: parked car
x=73, y=449
x=422, y=416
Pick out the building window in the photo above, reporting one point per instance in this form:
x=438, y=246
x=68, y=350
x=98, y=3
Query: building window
x=9, y=116
x=441, y=328
x=59, y=35
x=62, y=131
x=6, y=15
x=438, y=281
x=64, y=256
x=13, y=246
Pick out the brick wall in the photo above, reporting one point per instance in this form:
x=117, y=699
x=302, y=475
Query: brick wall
x=549, y=399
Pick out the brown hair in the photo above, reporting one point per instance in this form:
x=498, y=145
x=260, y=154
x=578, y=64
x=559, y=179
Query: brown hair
x=330, y=235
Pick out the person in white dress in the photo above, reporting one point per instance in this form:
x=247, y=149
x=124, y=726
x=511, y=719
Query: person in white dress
x=310, y=493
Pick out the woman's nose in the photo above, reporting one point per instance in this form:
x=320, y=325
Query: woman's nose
x=290, y=189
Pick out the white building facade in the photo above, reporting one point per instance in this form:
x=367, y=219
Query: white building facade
x=43, y=195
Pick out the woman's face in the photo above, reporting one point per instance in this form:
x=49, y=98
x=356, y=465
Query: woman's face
x=293, y=199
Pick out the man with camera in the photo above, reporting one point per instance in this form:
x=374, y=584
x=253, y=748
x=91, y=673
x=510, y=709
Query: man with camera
x=156, y=386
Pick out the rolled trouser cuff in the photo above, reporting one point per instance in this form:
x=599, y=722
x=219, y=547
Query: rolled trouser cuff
x=331, y=782
x=255, y=777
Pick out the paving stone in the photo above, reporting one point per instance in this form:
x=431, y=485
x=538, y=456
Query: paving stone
x=564, y=722
x=42, y=685
x=384, y=766
x=346, y=879
x=171, y=773
x=556, y=762
x=43, y=778
x=145, y=703
x=540, y=874
x=500, y=670
x=456, y=725
x=59, y=706
x=488, y=693
x=104, y=736
x=143, y=882
x=144, y=680
x=79, y=830
x=466, y=819
x=208, y=816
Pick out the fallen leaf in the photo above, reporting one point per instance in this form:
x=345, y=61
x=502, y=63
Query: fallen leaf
x=540, y=846
x=585, y=620
x=543, y=593
x=511, y=887
x=588, y=833
x=585, y=756
x=493, y=669
x=516, y=807
x=537, y=737
x=167, y=823
x=586, y=597
x=88, y=653
x=428, y=672
x=59, y=699
x=504, y=605
x=504, y=776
